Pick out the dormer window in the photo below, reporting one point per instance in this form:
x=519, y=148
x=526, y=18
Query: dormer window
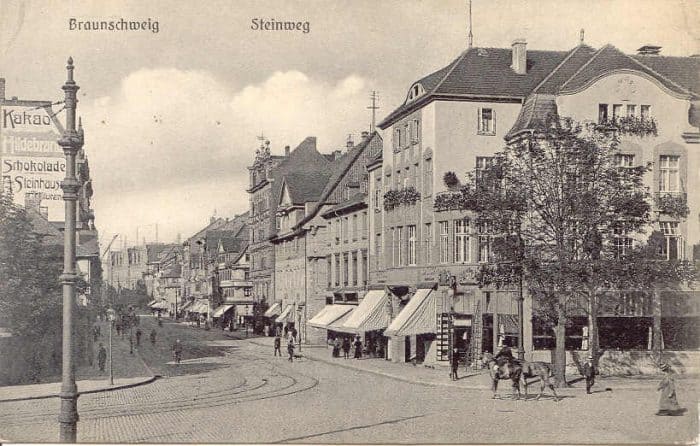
x=415, y=91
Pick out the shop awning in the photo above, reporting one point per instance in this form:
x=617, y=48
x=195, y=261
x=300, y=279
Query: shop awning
x=284, y=317
x=162, y=305
x=244, y=309
x=330, y=314
x=371, y=314
x=152, y=302
x=200, y=307
x=187, y=306
x=221, y=310
x=417, y=317
x=339, y=325
x=273, y=310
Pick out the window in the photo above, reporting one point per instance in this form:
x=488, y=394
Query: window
x=617, y=111
x=673, y=248
x=397, y=138
x=378, y=193
x=345, y=230
x=444, y=241
x=354, y=268
x=602, y=113
x=393, y=247
x=337, y=270
x=406, y=132
x=428, y=180
x=246, y=291
x=484, y=242
x=645, y=111
x=364, y=224
x=483, y=163
x=624, y=160
x=378, y=249
x=354, y=227
x=365, y=268
x=669, y=179
x=462, y=242
x=631, y=110
x=338, y=230
x=415, y=135
x=622, y=244
x=428, y=242
x=399, y=245
x=412, y=245
x=329, y=270
x=345, y=269
x=487, y=121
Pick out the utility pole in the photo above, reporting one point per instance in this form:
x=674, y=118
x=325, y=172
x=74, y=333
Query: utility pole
x=71, y=142
x=374, y=107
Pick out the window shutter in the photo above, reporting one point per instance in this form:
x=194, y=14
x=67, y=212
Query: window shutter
x=493, y=118
x=479, y=126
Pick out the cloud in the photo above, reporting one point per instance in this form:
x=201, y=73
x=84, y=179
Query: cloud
x=167, y=132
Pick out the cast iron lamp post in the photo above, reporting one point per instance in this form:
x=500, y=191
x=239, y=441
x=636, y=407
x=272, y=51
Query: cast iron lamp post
x=71, y=141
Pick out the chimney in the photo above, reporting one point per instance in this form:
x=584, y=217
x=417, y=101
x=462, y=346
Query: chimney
x=365, y=135
x=337, y=154
x=519, y=64
x=349, y=143
x=286, y=150
x=649, y=50
x=2, y=88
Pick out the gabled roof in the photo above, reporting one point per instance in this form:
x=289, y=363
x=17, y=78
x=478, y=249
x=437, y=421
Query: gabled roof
x=154, y=251
x=482, y=73
x=573, y=61
x=608, y=59
x=304, y=187
x=174, y=271
x=47, y=232
x=90, y=248
x=685, y=71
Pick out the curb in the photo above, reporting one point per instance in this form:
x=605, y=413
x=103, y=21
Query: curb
x=103, y=389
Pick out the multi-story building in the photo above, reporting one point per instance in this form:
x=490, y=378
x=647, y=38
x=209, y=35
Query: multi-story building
x=264, y=179
x=233, y=277
x=455, y=120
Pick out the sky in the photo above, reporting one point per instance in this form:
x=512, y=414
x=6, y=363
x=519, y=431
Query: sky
x=171, y=118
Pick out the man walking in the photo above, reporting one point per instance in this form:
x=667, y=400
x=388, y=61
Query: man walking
x=101, y=357
x=346, y=347
x=177, y=351
x=278, y=345
x=290, y=349
x=589, y=373
x=138, y=337
x=454, y=363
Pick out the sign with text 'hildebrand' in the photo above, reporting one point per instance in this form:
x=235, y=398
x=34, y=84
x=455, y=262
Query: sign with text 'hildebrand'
x=31, y=161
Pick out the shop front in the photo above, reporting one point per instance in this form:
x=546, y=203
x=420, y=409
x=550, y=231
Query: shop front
x=412, y=333
x=369, y=320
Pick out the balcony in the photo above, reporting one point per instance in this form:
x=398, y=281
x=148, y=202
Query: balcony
x=630, y=125
x=674, y=204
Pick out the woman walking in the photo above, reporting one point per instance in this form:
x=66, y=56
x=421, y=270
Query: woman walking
x=668, y=404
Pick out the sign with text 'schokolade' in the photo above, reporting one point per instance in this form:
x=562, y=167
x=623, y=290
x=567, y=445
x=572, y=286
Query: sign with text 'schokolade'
x=31, y=161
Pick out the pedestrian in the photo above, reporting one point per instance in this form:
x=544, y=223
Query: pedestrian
x=346, y=347
x=94, y=332
x=286, y=330
x=454, y=364
x=138, y=337
x=668, y=403
x=294, y=334
x=177, y=351
x=118, y=327
x=336, y=348
x=290, y=349
x=358, y=347
x=589, y=373
x=153, y=337
x=101, y=357
x=278, y=345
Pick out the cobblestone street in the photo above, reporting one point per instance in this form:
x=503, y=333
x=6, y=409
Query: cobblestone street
x=247, y=395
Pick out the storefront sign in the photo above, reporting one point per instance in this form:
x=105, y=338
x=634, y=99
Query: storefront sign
x=30, y=158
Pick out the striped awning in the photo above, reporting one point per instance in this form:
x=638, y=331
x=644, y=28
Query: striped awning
x=330, y=314
x=221, y=310
x=200, y=307
x=417, y=317
x=339, y=325
x=371, y=314
x=274, y=310
x=152, y=302
x=284, y=317
x=186, y=306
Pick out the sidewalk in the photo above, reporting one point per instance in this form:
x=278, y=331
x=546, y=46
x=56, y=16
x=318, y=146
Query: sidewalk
x=439, y=375
x=129, y=371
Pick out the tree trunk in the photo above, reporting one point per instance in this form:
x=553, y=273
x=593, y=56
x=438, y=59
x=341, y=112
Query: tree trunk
x=594, y=347
x=559, y=362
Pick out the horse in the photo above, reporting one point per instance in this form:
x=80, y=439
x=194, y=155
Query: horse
x=523, y=370
x=509, y=370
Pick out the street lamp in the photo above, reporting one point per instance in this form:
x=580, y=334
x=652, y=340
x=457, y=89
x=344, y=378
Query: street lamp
x=71, y=141
x=110, y=317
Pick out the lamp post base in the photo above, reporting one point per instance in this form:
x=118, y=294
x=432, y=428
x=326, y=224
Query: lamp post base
x=68, y=418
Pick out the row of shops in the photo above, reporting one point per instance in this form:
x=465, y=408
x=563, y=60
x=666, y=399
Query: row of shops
x=425, y=323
